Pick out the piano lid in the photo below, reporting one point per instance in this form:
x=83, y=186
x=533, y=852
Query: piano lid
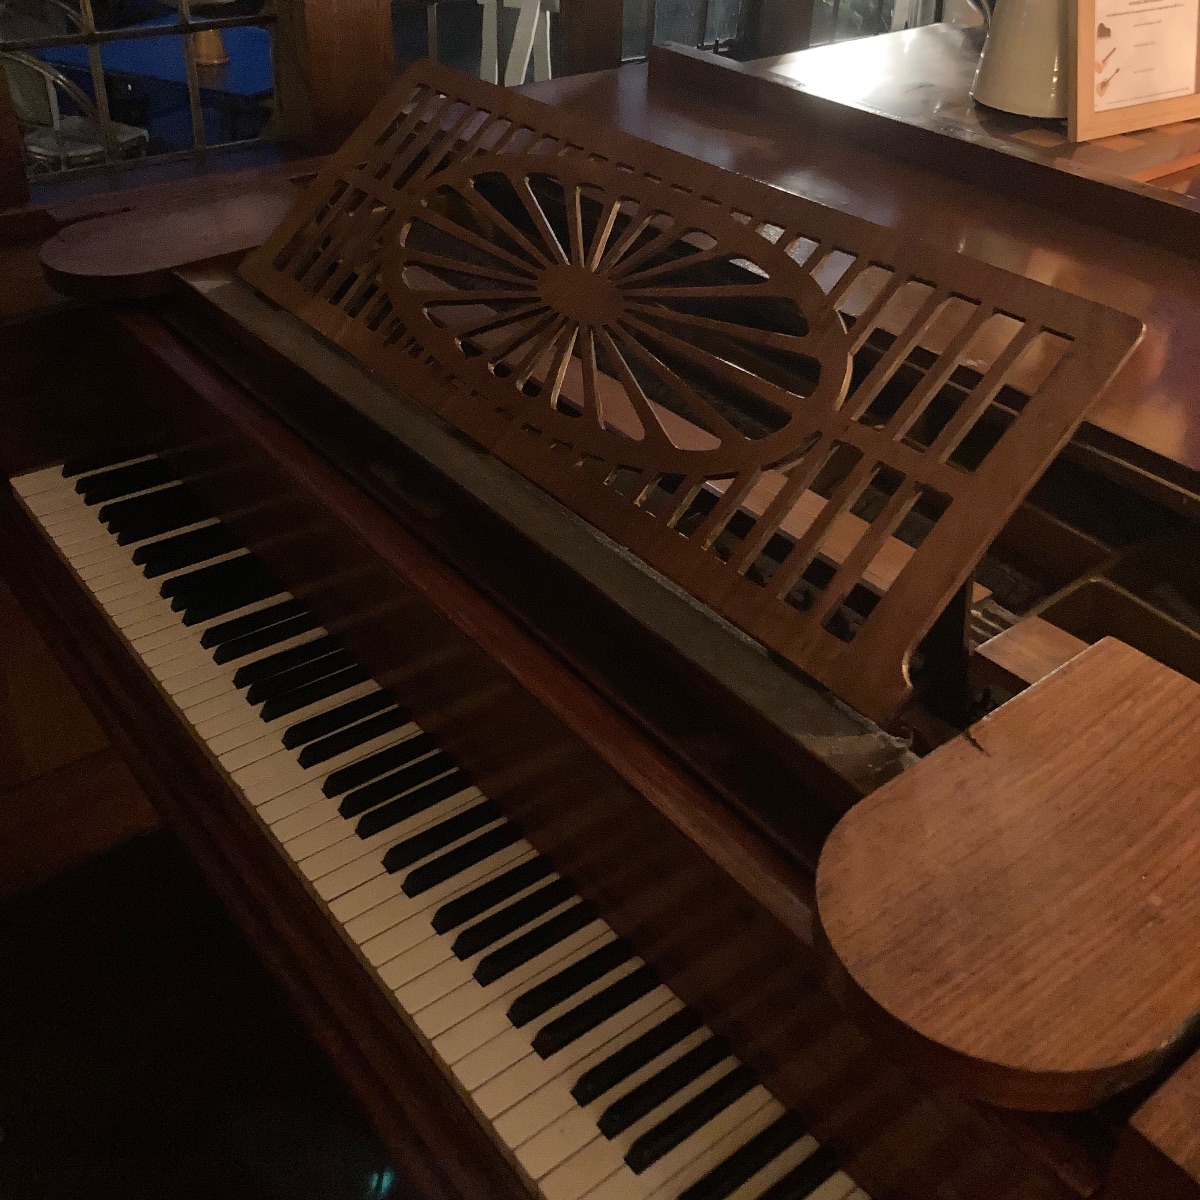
x=811, y=423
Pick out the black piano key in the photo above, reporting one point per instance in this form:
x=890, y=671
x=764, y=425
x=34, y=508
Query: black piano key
x=430, y=841
x=235, y=648
x=372, y=767
x=158, y=513
x=417, y=798
x=184, y=550
x=487, y=895
x=200, y=582
x=583, y=1018
x=800, y=1182
x=276, y=686
x=455, y=861
x=537, y=941
x=219, y=603
x=239, y=627
x=746, y=1162
x=123, y=481
x=688, y=1118
x=487, y=932
x=347, y=738
x=322, y=689
x=553, y=991
x=618, y=1067
x=661, y=1086
x=284, y=660
x=323, y=724
x=87, y=463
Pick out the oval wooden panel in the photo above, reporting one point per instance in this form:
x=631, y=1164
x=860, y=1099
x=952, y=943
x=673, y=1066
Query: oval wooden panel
x=131, y=254
x=1021, y=910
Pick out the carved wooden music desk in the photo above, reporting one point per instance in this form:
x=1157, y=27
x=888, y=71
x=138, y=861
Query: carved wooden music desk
x=1021, y=908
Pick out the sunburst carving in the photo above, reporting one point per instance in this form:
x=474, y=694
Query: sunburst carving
x=614, y=316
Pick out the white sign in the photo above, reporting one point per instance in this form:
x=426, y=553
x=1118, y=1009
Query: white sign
x=1145, y=51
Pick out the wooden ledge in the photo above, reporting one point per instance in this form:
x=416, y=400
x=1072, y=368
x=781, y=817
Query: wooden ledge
x=1019, y=911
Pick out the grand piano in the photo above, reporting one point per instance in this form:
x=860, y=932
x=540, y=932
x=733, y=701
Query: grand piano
x=507, y=576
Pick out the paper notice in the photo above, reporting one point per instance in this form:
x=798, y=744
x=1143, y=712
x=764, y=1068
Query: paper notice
x=1145, y=51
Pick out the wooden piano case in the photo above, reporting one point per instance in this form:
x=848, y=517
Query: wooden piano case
x=638, y=831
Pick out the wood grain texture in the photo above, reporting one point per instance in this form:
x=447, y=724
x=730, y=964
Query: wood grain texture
x=1159, y=1151
x=131, y=254
x=333, y=60
x=655, y=277
x=1019, y=910
x=590, y=35
x=1022, y=655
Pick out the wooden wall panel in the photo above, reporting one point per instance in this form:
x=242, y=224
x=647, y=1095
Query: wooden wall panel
x=333, y=61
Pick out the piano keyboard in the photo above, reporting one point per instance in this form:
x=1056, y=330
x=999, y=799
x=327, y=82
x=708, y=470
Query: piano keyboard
x=597, y=1079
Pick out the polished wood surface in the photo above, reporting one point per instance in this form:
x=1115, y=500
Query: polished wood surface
x=1147, y=416
x=1159, y=1151
x=1022, y=655
x=1020, y=908
x=589, y=33
x=131, y=254
x=333, y=60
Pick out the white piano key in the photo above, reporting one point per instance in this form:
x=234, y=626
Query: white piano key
x=294, y=801
x=527, y=1117
x=781, y=1165
x=34, y=483
x=556, y=1143
x=287, y=824
x=839, y=1186
x=519, y=1104
x=498, y=1092
x=209, y=701
x=384, y=913
x=433, y=983
x=711, y=1144
x=280, y=725
x=330, y=886
x=586, y=1170
x=689, y=1091
x=413, y=927
x=173, y=634
x=281, y=771
x=350, y=846
x=218, y=687
x=489, y=1061
x=460, y=1023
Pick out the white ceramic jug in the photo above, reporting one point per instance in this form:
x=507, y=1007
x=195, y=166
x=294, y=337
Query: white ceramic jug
x=1024, y=68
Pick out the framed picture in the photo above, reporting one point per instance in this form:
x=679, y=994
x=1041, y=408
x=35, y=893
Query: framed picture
x=1137, y=64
